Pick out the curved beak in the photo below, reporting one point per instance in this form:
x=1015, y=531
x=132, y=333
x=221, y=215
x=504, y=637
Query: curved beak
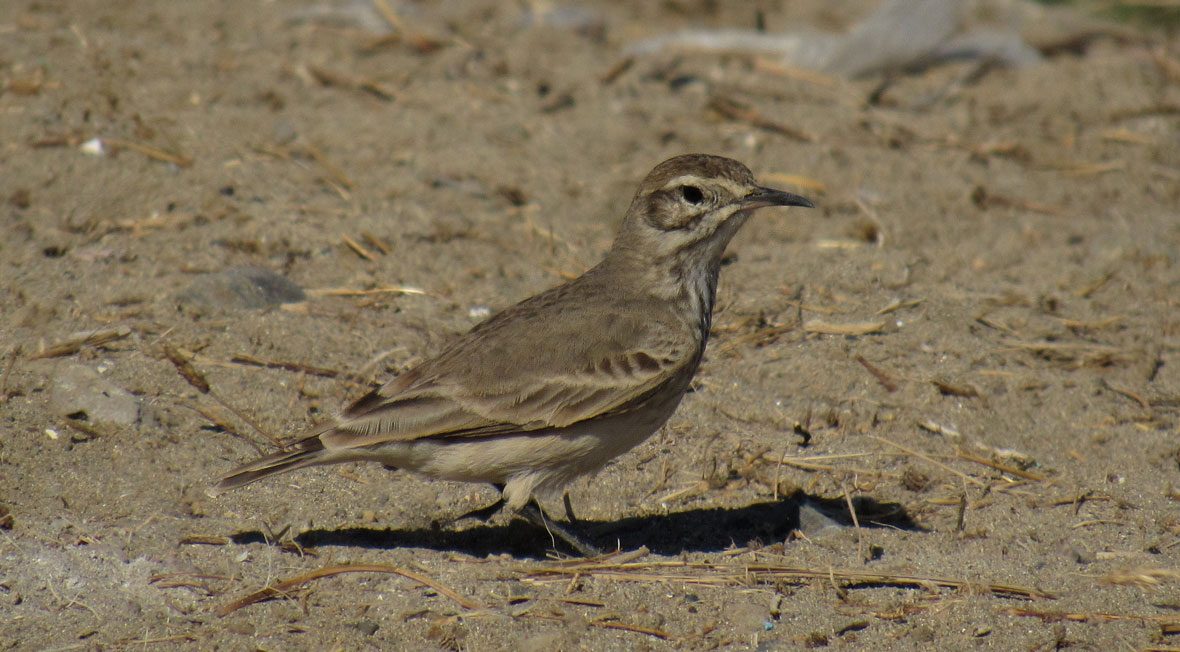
x=762, y=197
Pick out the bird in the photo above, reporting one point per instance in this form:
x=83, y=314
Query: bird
x=557, y=385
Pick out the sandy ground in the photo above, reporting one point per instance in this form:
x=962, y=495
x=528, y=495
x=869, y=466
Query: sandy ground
x=973, y=342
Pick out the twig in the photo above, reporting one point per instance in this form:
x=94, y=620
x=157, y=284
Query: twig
x=616, y=70
x=1080, y=353
x=75, y=342
x=350, y=292
x=898, y=304
x=948, y=388
x=277, y=442
x=219, y=420
x=860, y=542
x=1010, y=470
x=931, y=460
x=341, y=80
x=1089, y=617
x=744, y=573
x=1143, y=403
x=885, y=379
x=358, y=249
x=335, y=174
x=627, y=627
x=281, y=588
x=156, y=153
x=734, y=110
x=855, y=328
x=420, y=42
x=298, y=367
x=1141, y=577
x=185, y=368
x=763, y=64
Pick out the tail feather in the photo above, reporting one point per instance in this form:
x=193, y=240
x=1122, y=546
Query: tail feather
x=306, y=452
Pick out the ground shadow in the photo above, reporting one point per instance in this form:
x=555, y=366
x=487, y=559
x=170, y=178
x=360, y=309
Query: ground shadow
x=710, y=529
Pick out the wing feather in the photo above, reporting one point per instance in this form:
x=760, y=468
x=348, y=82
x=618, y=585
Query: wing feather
x=497, y=380
x=439, y=409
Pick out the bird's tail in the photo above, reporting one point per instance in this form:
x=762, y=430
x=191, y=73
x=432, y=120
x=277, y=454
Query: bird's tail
x=305, y=452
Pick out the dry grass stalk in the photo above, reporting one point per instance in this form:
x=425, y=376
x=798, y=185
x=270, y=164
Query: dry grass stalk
x=376, y=243
x=181, y=360
x=358, y=249
x=603, y=622
x=297, y=367
x=420, y=42
x=616, y=70
x=1124, y=135
x=74, y=343
x=337, y=79
x=275, y=441
x=762, y=64
x=638, y=629
x=746, y=574
x=941, y=430
x=898, y=304
x=1090, y=617
x=155, y=153
x=1122, y=391
x=284, y=587
x=1080, y=354
x=926, y=458
x=1141, y=577
x=887, y=381
x=219, y=420
x=205, y=540
x=1094, y=324
x=854, y=328
x=335, y=175
x=350, y=292
x=1004, y=468
x=734, y=110
x=1091, y=169
x=948, y=388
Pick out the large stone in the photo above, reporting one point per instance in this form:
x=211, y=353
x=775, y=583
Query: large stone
x=79, y=392
x=241, y=288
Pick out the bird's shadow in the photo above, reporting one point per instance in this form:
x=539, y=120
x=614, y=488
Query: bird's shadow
x=710, y=529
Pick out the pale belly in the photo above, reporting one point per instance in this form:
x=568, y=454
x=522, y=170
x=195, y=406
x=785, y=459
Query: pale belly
x=526, y=463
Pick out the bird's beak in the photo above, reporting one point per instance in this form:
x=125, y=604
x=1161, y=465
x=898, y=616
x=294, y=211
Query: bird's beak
x=762, y=197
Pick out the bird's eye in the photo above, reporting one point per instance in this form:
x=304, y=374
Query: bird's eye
x=692, y=194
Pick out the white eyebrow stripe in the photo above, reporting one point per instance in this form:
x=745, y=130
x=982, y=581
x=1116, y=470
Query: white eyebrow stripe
x=691, y=179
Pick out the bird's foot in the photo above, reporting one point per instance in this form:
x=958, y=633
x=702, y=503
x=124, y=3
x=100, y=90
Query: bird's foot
x=534, y=515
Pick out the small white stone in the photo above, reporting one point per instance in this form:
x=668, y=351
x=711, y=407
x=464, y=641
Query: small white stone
x=93, y=147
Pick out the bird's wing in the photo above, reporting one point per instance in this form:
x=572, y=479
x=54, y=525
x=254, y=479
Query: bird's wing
x=494, y=382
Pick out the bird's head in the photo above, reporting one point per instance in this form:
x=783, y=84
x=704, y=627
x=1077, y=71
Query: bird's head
x=690, y=206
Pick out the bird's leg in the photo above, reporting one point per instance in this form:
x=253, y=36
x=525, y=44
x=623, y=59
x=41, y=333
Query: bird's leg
x=533, y=514
x=485, y=513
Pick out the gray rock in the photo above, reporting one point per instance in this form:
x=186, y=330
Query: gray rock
x=79, y=392
x=814, y=522
x=241, y=288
